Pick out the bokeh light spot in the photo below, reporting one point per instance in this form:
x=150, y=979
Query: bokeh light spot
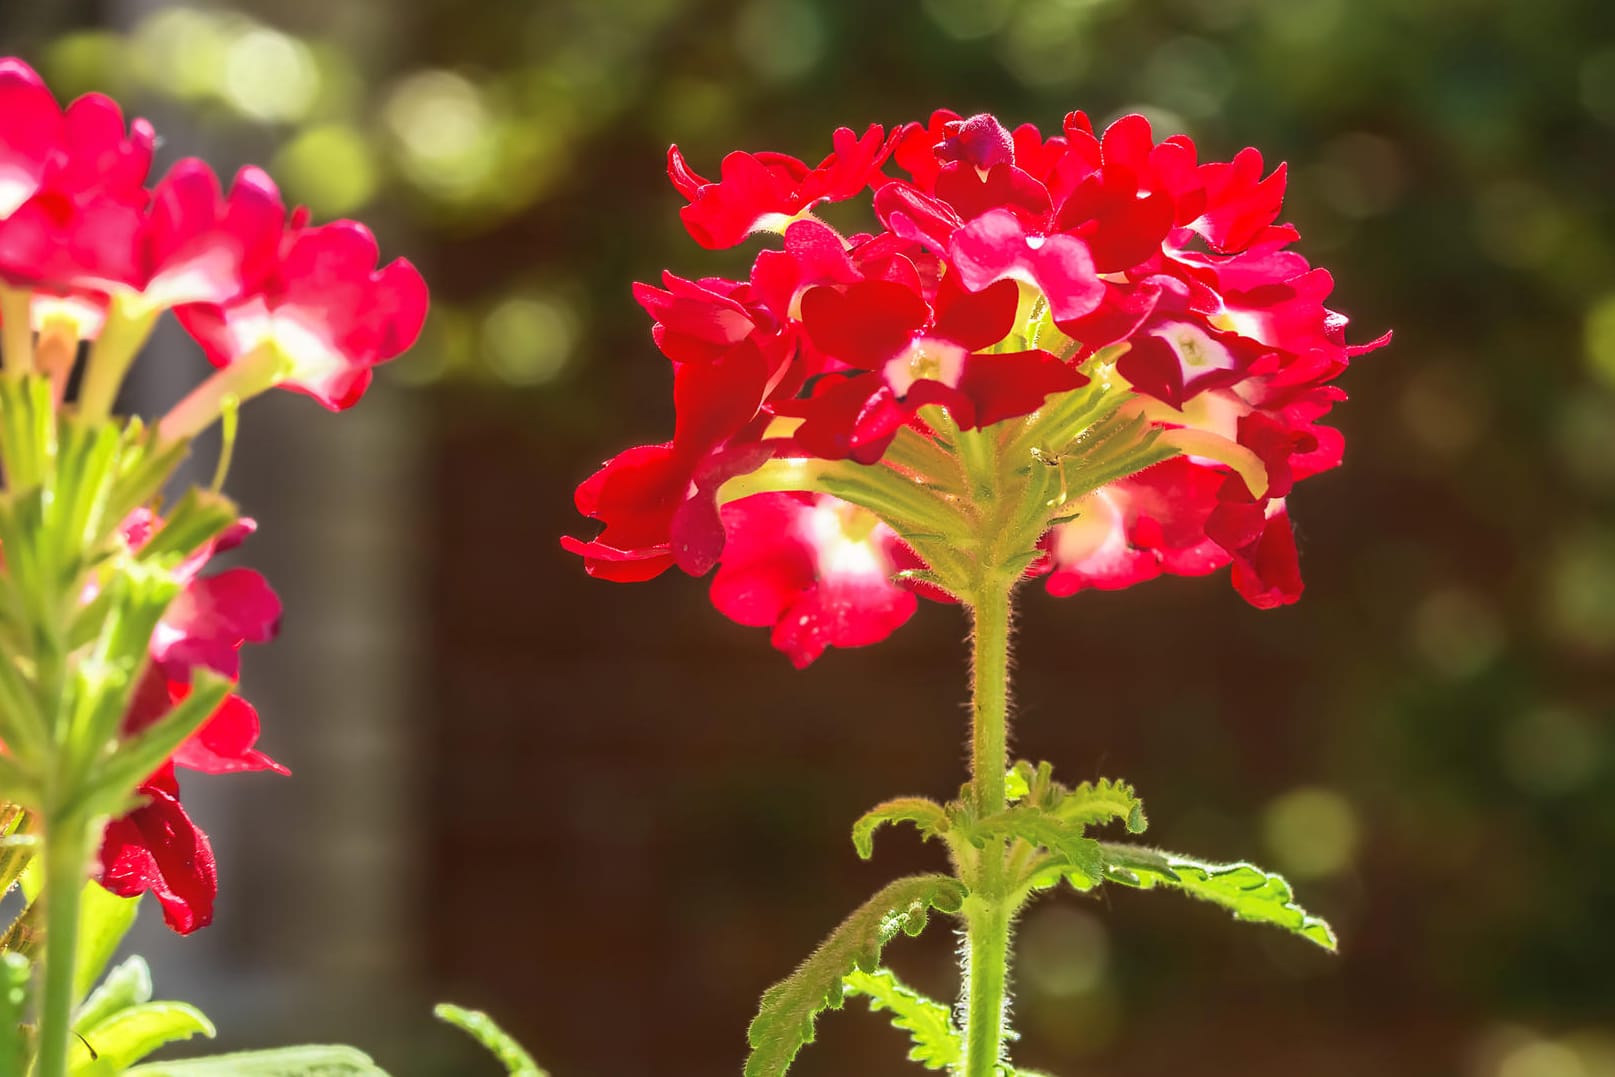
x=1517, y=224
x=1444, y=408
x=1585, y=436
x=269, y=76
x=1581, y=591
x=1067, y=951
x=444, y=132
x=1550, y=750
x=782, y=40
x=1542, y=1058
x=1048, y=45
x=527, y=339
x=1598, y=85
x=1189, y=75
x=1599, y=337
x=1304, y=22
x=1312, y=832
x=181, y=50
x=1362, y=174
x=1457, y=631
x=330, y=168
x=969, y=20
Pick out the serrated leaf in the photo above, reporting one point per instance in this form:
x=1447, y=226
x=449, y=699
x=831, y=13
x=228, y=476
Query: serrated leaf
x=927, y=815
x=1063, y=838
x=104, y=920
x=1097, y=803
x=314, y=1060
x=1245, y=890
x=127, y=985
x=936, y=1043
x=133, y=1033
x=14, y=1041
x=480, y=1027
x=784, y=1021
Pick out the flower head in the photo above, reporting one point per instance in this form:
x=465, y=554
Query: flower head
x=1093, y=345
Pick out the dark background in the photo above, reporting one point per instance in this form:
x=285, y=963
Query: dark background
x=612, y=817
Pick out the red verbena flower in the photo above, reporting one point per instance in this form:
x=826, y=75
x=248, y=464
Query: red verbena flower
x=1012, y=279
x=157, y=847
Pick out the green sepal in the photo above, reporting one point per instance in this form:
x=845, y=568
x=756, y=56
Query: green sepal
x=124, y=1038
x=129, y=984
x=784, y=1021
x=314, y=1060
x=936, y=1043
x=1243, y=889
x=16, y=1042
x=480, y=1027
x=104, y=920
x=929, y=817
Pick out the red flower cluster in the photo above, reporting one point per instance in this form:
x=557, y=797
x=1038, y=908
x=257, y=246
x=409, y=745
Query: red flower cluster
x=80, y=229
x=1174, y=269
x=157, y=847
x=89, y=251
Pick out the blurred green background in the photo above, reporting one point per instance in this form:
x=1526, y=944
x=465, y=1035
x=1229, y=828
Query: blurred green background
x=613, y=818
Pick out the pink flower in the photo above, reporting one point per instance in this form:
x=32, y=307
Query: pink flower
x=324, y=309
x=71, y=184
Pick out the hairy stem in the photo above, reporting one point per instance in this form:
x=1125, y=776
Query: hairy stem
x=66, y=850
x=989, y=909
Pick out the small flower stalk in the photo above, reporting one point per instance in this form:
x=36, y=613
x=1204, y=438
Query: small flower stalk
x=121, y=645
x=1085, y=360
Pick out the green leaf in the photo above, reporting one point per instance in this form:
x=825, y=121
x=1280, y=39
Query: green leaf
x=14, y=1039
x=104, y=919
x=1243, y=889
x=480, y=1027
x=137, y=757
x=314, y=1060
x=127, y=985
x=1096, y=803
x=937, y=1044
x=1063, y=838
x=784, y=1021
x=133, y=1033
x=198, y=517
x=927, y=815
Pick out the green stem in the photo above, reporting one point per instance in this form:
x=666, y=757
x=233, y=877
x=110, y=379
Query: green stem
x=66, y=851
x=990, y=908
x=121, y=339
x=16, y=330
x=230, y=386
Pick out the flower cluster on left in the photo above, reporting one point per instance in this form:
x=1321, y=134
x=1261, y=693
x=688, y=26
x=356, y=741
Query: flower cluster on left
x=119, y=651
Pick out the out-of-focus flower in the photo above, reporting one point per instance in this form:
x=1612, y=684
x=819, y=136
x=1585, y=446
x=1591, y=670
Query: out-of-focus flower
x=157, y=847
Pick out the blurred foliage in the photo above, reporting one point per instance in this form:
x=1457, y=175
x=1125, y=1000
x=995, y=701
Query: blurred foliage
x=1438, y=769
